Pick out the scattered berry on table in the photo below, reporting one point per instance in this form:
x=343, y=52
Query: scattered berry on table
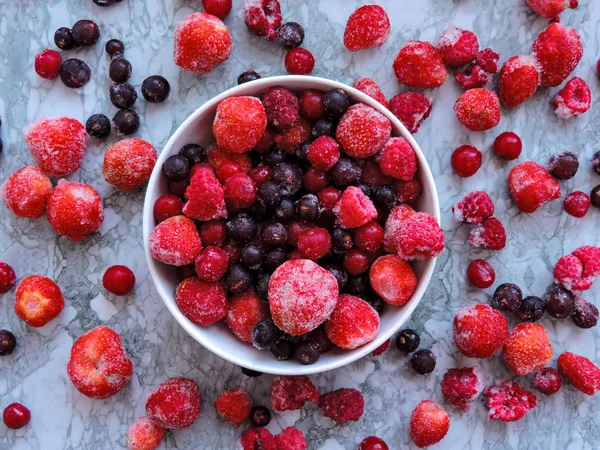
x=292, y=392
x=114, y=48
x=481, y=274
x=532, y=309
x=508, y=402
x=519, y=79
x=548, y=381
x=98, y=126
x=578, y=270
x=367, y=27
x=74, y=73
x=118, y=280
x=254, y=438
x=234, y=405
x=260, y=416
x=531, y=186
x=128, y=164
x=473, y=76
x=488, y=234
x=462, y=386
x=8, y=278
x=478, y=109
x=573, y=99
x=119, y=70
x=407, y=341
x=411, y=108
x=175, y=241
x=457, y=47
x=429, y=423
x=373, y=443
x=423, y=361
x=557, y=50
x=291, y=35
x=202, y=302
x=582, y=373
x=507, y=297
x=488, y=59
x=474, y=208
x=479, y=331
x=585, y=314
x=144, y=435
x=47, y=64
x=219, y=8
x=174, y=403
x=563, y=165
x=419, y=65
x=16, y=416
x=155, y=89
x=577, y=204
x=85, y=33
x=343, y=405
x=466, y=161
x=63, y=38
x=126, y=121
x=263, y=17
x=248, y=75
x=8, y=342
x=549, y=9
x=25, y=193
x=372, y=89
x=527, y=349
x=122, y=95
x=560, y=302
x=292, y=439
x=299, y=61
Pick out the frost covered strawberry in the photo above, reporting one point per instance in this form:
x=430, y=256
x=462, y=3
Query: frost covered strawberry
x=527, y=349
x=429, y=423
x=239, y=124
x=128, y=164
x=202, y=41
x=508, y=402
x=216, y=157
x=411, y=108
x=371, y=88
x=202, y=302
x=582, y=373
x=144, y=435
x=474, y=208
x=290, y=140
x=393, y=279
x=26, y=192
x=291, y=392
x=263, y=17
x=531, y=186
x=478, y=109
x=549, y=9
x=367, y=27
x=519, y=79
x=38, y=300
x=363, y=131
x=462, y=386
x=353, y=323
x=558, y=50
x=457, y=47
x=175, y=241
x=354, y=208
x=572, y=100
x=489, y=234
x=234, y=405
x=419, y=65
x=174, y=403
x=420, y=237
x=479, y=331
x=205, y=197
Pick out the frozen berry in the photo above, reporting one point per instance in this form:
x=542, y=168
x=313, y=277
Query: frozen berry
x=558, y=50
x=393, y=279
x=507, y=297
x=260, y=416
x=346, y=172
x=385, y=196
x=474, y=208
x=323, y=153
x=582, y=373
x=174, y=403
x=429, y=423
x=118, y=280
x=288, y=176
x=126, y=121
x=373, y=443
x=481, y=274
x=219, y=8
x=98, y=126
x=307, y=207
x=85, y=33
x=336, y=103
x=419, y=65
x=363, y=131
x=25, y=193
x=563, y=165
x=263, y=17
x=577, y=204
x=291, y=439
x=282, y=107
x=367, y=27
x=585, y=314
x=457, y=47
x=508, y=402
x=392, y=226
x=291, y=392
x=488, y=59
x=234, y=405
x=343, y=405
x=239, y=124
x=175, y=241
x=299, y=61
x=114, y=48
x=240, y=191
x=411, y=108
x=265, y=334
x=7, y=342
x=527, y=349
x=38, y=300
x=462, y=386
x=354, y=208
x=356, y=261
x=212, y=263
x=128, y=164
x=572, y=100
x=423, y=361
x=371, y=88
x=119, y=70
x=248, y=75
x=205, y=197
x=353, y=323
x=166, y=206
x=16, y=416
x=549, y=9
x=47, y=64
x=489, y=234
x=257, y=438
x=382, y=348
x=291, y=140
x=202, y=302
x=519, y=79
x=122, y=95
x=312, y=104
x=155, y=89
x=8, y=277
x=291, y=35
x=398, y=159
x=560, y=302
x=144, y=435
x=531, y=310
x=478, y=109
x=63, y=38
x=578, y=271
x=531, y=186
x=409, y=191
x=420, y=237
x=407, y=341
x=473, y=76
x=479, y=331
x=307, y=352
x=314, y=243
x=548, y=381
x=369, y=237
x=241, y=228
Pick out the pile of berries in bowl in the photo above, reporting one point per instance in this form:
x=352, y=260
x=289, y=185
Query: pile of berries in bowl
x=291, y=225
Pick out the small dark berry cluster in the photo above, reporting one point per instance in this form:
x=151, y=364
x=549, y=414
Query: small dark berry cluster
x=422, y=361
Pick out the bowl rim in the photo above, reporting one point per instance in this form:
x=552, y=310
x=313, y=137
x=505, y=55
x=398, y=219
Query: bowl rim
x=168, y=298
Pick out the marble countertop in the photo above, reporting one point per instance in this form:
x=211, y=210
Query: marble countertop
x=35, y=374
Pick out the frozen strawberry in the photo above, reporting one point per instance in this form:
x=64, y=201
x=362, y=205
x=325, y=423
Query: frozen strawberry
x=175, y=241
x=558, y=50
x=281, y=106
x=8, y=278
x=174, y=403
x=144, y=435
x=488, y=59
x=398, y=159
x=420, y=237
x=290, y=393
x=527, y=349
x=473, y=76
x=99, y=366
x=291, y=439
x=128, y=164
x=549, y=9
x=363, y=131
x=582, y=373
x=382, y=348
x=212, y=263
x=323, y=153
x=519, y=79
x=234, y=405
x=38, y=300
x=474, y=208
x=244, y=311
x=393, y=279
x=429, y=423
x=457, y=47
x=240, y=191
x=577, y=204
x=354, y=208
x=478, y=109
x=371, y=88
x=419, y=65
x=462, y=386
x=202, y=302
x=367, y=27
x=411, y=108
x=392, y=226
x=216, y=157
x=75, y=210
x=353, y=323
x=239, y=124
x=257, y=438
x=290, y=140
x=572, y=100
x=263, y=17
x=302, y=295
x=489, y=234
x=548, y=381
x=57, y=145
x=205, y=197
x=479, y=331
x=202, y=42
x=343, y=405
x=25, y=193
x=508, y=402
x=531, y=186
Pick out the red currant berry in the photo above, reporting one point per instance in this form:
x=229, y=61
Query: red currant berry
x=315, y=180
x=213, y=232
x=212, y=263
x=47, y=64
x=166, y=206
x=295, y=229
x=481, y=274
x=548, y=381
x=373, y=443
x=577, y=204
x=312, y=105
x=227, y=170
x=16, y=416
x=369, y=237
x=314, y=243
x=195, y=168
x=219, y=8
x=598, y=68
x=329, y=197
x=299, y=61
x=118, y=280
x=240, y=190
x=465, y=161
x=356, y=261
x=260, y=174
x=508, y=146
x=8, y=278
x=408, y=191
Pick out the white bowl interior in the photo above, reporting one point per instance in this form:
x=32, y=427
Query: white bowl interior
x=218, y=338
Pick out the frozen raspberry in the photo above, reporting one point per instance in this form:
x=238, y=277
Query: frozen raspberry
x=488, y=59
x=473, y=76
x=420, y=237
x=398, y=159
x=393, y=279
x=219, y=8
x=244, y=311
x=363, y=131
x=312, y=104
x=582, y=373
x=457, y=47
x=373, y=443
x=462, y=386
x=466, y=161
x=323, y=153
x=353, y=323
x=240, y=191
x=419, y=65
x=299, y=61
x=75, y=210
x=175, y=241
x=489, y=234
x=429, y=423
x=206, y=197
x=98, y=365
x=367, y=27
x=474, y=208
x=548, y=381
x=144, y=435
x=572, y=100
x=291, y=439
x=382, y=348
x=481, y=274
x=57, y=145
x=174, y=403
x=202, y=302
x=577, y=204
x=281, y=106
x=372, y=174
x=411, y=108
x=508, y=402
x=257, y=438
x=508, y=145
x=478, y=109
x=8, y=278
x=519, y=79
x=128, y=164
x=47, y=64
x=549, y=9
x=343, y=405
x=239, y=124
x=479, y=331
x=569, y=272
x=291, y=139
x=38, y=300
x=354, y=208
x=263, y=17
x=302, y=296
x=527, y=349
x=290, y=393
x=25, y=193
x=216, y=156
x=212, y=263
x=371, y=88
x=392, y=226
x=234, y=405
x=558, y=50
x=314, y=243
x=531, y=186
x=202, y=42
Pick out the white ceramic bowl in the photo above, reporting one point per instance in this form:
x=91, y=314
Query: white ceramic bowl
x=218, y=338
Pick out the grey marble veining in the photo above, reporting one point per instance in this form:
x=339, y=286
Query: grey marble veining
x=35, y=374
